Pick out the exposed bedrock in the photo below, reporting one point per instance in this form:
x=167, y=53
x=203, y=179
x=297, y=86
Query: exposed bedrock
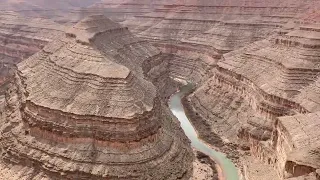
x=188, y=62
x=199, y=32
x=267, y=68
x=254, y=87
x=21, y=37
x=82, y=108
x=255, y=63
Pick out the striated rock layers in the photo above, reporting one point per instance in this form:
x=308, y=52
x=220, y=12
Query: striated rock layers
x=256, y=64
x=257, y=68
x=197, y=33
x=21, y=37
x=268, y=92
x=82, y=108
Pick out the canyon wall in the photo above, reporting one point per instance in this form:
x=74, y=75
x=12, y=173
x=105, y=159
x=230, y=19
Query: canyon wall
x=255, y=64
x=22, y=37
x=81, y=108
x=255, y=86
x=201, y=31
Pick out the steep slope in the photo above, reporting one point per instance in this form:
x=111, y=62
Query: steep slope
x=21, y=38
x=257, y=60
x=253, y=87
x=82, y=108
x=255, y=63
x=204, y=30
x=267, y=54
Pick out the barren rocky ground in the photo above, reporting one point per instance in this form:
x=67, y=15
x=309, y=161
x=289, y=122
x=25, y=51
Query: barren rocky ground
x=255, y=64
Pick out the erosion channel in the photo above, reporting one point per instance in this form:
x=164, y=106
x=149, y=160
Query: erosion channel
x=229, y=170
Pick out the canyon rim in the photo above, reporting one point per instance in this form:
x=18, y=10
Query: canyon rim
x=85, y=87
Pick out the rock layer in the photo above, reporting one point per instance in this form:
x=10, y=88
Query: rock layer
x=263, y=63
x=82, y=108
x=255, y=63
x=255, y=86
x=201, y=31
x=20, y=38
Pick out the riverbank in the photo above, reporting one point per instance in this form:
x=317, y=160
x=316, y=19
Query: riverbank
x=204, y=168
x=207, y=135
x=229, y=170
x=220, y=173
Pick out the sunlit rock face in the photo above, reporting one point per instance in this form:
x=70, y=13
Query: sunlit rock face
x=256, y=65
x=268, y=92
x=257, y=68
x=199, y=32
x=81, y=108
x=21, y=37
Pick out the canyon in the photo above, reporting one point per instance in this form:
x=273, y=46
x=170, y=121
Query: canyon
x=83, y=94
x=57, y=124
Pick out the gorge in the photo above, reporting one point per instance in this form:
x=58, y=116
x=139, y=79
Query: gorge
x=85, y=101
x=229, y=171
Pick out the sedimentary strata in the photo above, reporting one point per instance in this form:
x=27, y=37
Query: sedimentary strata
x=22, y=37
x=81, y=108
x=204, y=168
x=296, y=140
x=255, y=85
x=239, y=98
x=253, y=61
x=197, y=33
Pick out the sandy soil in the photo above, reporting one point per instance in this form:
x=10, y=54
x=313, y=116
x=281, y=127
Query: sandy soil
x=220, y=173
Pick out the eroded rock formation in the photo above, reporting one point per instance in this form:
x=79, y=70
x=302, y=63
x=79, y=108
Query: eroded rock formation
x=81, y=108
x=20, y=38
x=255, y=86
x=256, y=65
x=257, y=61
x=201, y=31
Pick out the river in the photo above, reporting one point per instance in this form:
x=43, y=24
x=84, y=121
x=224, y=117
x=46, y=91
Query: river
x=230, y=172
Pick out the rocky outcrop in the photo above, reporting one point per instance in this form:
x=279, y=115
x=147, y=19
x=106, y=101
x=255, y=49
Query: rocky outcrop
x=20, y=38
x=255, y=62
x=82, y=108
x=297, y=145
x=189, y=28
x=187, y=62
x=253, y=86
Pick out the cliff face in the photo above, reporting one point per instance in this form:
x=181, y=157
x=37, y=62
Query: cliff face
x=254, y=86
x=82, y=108
x=197, y=31
x=201, y=31
x=256, y=65
x=254, y=61
x=20, y=38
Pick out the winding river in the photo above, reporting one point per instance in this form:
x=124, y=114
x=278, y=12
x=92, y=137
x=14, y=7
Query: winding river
x=230, y=172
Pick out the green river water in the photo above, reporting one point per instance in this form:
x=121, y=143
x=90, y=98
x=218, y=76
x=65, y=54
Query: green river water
x=230, y=172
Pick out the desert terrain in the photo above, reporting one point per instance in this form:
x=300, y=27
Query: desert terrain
x=85, y=88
